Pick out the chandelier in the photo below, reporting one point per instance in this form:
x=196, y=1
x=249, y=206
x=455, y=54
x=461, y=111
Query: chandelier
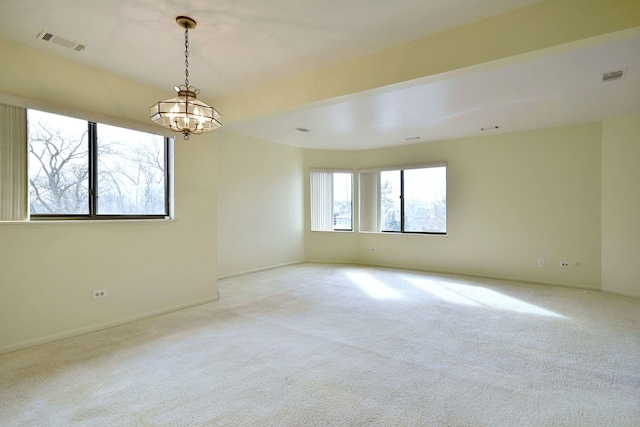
x=185, y=114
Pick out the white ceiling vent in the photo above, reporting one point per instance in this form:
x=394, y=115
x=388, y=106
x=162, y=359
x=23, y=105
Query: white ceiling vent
x=613, y=75
x=60, y=41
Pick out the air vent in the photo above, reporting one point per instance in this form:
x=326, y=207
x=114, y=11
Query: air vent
x=494, y=127
x=613, y=75
x=303, y=129
x=60, y=41
x=412, y=138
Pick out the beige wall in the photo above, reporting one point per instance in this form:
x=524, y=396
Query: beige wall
x=621, y=205
x=42, y=77
x=512, y=199
x=48, y=270
x=259, y=204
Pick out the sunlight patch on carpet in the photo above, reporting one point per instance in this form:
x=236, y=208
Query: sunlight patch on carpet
x=374, y=287
x=478, y=296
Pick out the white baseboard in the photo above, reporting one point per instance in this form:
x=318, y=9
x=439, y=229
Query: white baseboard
x=623, y=293
x=98, y=327
x=257, y=270
x=337, y=262
x=459, y=273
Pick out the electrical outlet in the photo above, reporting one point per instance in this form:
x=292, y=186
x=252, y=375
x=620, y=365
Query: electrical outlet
x=541, y=263
x=565, y=264
x=100, y=293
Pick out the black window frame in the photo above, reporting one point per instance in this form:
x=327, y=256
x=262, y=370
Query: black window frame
x=402, y=208
x=93, y=191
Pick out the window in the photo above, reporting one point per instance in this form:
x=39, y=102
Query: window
x=331, y=201
x=80, y=169
x=411, y=200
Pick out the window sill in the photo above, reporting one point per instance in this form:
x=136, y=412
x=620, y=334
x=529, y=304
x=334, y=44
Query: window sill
x=85, y=222
x=333, y=231
x=397, y=233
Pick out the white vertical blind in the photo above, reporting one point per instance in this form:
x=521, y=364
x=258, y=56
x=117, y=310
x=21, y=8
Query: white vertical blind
x=369, y=201
x=321, y=201
x=13, y=163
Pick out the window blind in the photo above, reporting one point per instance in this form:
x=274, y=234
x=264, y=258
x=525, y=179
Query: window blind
x=13, y=163
x=321, y=201
x=369, y=201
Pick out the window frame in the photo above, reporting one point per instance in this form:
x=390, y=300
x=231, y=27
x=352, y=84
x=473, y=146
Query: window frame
x=93, y=190
x=402, y=198
x=311, y=200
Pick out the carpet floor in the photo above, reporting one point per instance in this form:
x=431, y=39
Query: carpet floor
x=323, y=345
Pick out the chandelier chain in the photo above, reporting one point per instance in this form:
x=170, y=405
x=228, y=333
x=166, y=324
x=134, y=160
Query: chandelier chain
x=186, y=56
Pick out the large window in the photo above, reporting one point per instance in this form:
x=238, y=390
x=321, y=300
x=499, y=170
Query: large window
x=80, y=169
x=411, y=200
x=331, y=201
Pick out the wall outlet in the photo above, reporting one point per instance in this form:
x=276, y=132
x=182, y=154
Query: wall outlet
x=541, y=263
x=100, y=293
x=565, y=264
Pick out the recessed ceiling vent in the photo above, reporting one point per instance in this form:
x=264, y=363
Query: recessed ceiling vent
x=303, y=130
x=60, y=41
x=613, y=75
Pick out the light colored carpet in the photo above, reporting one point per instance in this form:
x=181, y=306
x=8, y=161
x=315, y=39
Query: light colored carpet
x=344, y=345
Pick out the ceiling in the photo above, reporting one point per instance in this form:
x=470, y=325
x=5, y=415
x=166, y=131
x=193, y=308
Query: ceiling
x=241, y=44
x=552, y=91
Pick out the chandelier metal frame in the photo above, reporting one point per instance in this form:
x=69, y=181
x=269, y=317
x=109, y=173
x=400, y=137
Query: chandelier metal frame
x=185, y=113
